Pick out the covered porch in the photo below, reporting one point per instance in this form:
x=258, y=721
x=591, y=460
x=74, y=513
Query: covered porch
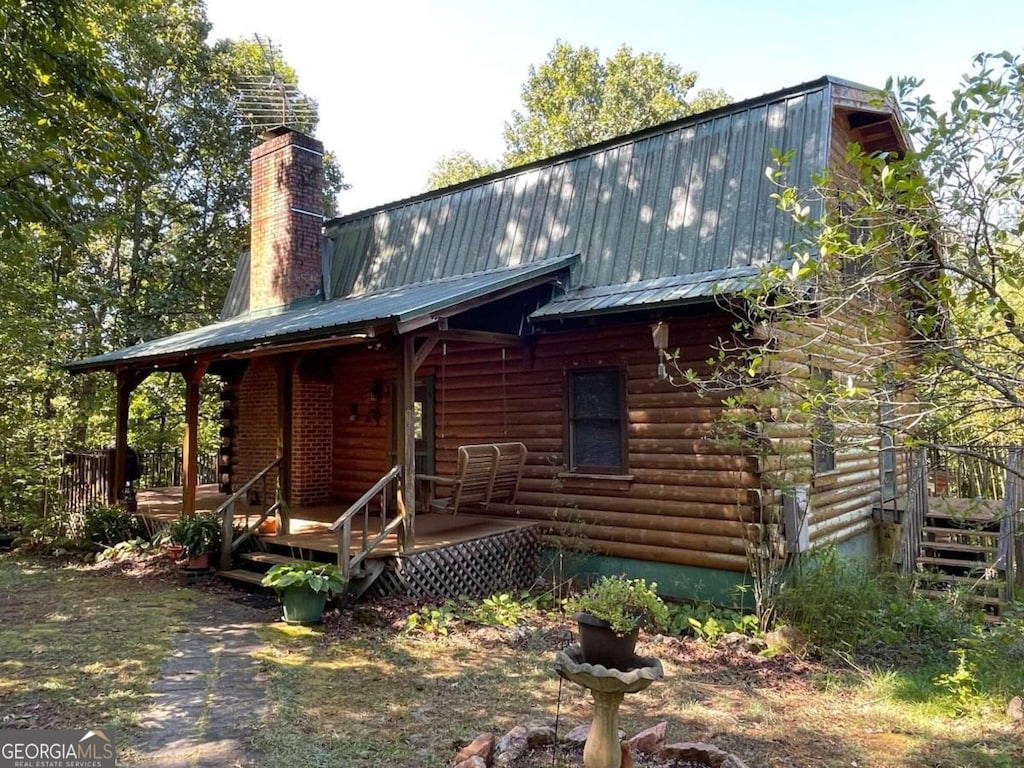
x=310, y=526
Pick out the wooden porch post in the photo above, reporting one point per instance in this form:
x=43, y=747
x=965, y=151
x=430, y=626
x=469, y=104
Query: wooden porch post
x=127, y=381
x=193, y=374
x=407, y=440
x=285, y=368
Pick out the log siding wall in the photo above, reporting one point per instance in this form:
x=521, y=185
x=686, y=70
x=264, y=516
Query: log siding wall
x=684, y=498
x=841, y=500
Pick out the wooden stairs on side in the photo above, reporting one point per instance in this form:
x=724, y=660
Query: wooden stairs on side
x=959, y=552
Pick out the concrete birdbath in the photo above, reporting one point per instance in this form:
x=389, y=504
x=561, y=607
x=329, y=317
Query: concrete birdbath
x=607, y=686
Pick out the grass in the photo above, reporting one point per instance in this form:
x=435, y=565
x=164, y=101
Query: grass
x=374, y=696
x=80, y=648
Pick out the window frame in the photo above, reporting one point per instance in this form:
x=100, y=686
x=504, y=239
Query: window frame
x=571, y=420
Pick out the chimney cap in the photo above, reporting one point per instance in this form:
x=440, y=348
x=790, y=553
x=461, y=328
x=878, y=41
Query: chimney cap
x=277, y=130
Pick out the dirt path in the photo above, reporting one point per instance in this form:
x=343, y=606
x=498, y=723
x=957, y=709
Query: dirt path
x=209, y=698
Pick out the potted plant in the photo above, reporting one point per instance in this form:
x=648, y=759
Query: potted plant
x=610, y=614
x=198, y=535
x=303, y=588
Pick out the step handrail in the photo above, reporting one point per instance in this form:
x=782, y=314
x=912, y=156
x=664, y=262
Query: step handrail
x=347, y=562
x=228, y=542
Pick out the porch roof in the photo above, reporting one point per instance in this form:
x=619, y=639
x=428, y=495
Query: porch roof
x=397, y=309
x=660, y=291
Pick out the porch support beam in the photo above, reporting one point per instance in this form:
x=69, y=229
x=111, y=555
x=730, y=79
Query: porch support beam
x=285, y=366
x=476, y=337
x=407, y=440
x=193, y=374
x=423, y=352
x=127, y=382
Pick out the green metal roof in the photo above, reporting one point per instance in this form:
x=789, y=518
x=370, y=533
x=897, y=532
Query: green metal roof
x=359, y=312
x=685, y=198
x=659, y=291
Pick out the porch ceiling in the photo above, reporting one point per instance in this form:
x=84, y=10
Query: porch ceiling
x=394, y=309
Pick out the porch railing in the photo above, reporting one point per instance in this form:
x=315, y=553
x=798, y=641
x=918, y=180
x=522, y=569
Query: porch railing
x=349, y=563
x=86, y=476
x=164, y=469
x=229, y=542
x=916, y=509
x=1011, y=541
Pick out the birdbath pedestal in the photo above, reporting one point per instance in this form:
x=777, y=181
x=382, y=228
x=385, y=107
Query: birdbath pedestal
x=607, y=686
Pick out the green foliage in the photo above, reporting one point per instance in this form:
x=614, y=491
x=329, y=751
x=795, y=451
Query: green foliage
x=109, y=524
x=626, y=604
x=124, y=208
x=708, y=622
x=316, y=577
x=125, y=550
x=458, y=167
x=432, y=620
x=199, y=534
x=502, y=609
x=844, y=606
x=574, y=99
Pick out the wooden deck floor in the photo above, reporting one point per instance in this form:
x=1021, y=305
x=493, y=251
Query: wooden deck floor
x=309, y=525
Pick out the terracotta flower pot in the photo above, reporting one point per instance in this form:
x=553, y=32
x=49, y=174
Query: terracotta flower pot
x=603, y=645
x=174, y=551
x=200, y=563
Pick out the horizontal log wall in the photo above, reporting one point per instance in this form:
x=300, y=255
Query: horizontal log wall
x=841, y=501
x=686, y=498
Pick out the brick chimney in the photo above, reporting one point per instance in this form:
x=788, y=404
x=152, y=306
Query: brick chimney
x=287, y=219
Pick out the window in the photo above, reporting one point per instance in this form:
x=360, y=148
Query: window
x=824, y=441
x=596, y=422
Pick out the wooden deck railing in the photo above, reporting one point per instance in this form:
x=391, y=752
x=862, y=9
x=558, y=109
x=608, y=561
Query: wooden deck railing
x=229, y=542
x=349, y=563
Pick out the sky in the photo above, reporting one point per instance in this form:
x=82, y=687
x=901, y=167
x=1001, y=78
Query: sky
x=400, y=83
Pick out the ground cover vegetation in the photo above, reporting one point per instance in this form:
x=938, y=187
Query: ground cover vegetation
x=888, y=681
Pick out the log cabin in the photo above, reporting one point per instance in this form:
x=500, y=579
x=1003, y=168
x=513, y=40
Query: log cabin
x=531, y=306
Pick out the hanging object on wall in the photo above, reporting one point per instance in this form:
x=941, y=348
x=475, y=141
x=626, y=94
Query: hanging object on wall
x=659, y=335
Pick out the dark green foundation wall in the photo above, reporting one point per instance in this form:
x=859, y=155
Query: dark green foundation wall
x=678, y=582
x=684, y=582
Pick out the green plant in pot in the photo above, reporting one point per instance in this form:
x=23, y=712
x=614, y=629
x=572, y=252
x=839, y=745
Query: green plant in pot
x=198, y=535
x=611, y=613
x=304, y=588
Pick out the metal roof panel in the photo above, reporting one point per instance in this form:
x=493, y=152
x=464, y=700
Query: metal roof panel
x=351, y=314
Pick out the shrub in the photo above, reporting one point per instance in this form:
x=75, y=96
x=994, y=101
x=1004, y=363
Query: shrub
x=110, y=524
x=844, y=606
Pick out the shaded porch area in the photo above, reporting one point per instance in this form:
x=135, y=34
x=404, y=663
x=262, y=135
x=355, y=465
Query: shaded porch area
x=309, y=525
x=458, y=554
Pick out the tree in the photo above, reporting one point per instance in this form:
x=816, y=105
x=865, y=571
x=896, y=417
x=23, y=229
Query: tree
x=928, y=242
x=126, y=184
x=458, y=167
x=574, y=99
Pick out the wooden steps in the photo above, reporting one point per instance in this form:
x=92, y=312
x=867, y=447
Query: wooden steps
x=959, y=546
x=251, y=566
x=242, y=576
